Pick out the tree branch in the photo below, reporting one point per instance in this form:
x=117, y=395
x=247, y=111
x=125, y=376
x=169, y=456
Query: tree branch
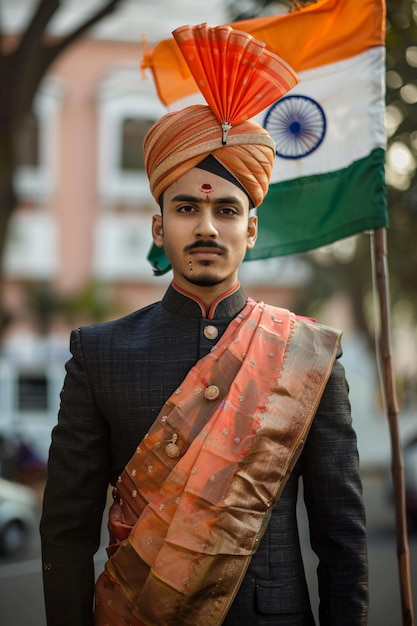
x=34, y=56
x=33, y=35
x=55, y=50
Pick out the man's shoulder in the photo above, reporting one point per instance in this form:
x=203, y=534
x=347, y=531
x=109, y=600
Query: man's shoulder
x=122, y=325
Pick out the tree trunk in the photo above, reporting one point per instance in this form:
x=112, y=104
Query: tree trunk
x=7, y=204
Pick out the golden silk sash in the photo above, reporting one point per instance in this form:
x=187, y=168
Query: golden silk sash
x=184, y=527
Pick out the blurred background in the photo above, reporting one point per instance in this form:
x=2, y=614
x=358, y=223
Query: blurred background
x=75, y=214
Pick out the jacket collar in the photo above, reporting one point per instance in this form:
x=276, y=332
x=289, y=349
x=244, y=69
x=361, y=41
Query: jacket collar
x=181, y=302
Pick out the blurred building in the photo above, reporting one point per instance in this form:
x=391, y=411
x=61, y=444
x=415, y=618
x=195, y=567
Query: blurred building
x=78, y=242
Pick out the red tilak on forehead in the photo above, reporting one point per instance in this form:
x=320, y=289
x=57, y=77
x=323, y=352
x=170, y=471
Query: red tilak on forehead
x=207, y=190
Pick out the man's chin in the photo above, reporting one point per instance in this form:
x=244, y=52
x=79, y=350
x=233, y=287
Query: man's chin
x=203, y=279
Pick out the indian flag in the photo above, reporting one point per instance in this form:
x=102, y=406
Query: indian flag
x=328, y=178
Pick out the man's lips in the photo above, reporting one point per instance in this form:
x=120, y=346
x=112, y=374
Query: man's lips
x=209, y=251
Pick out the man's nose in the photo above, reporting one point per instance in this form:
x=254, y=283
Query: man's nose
x=206, y=225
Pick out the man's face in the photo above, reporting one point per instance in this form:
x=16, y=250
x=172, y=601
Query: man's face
x=205, y=231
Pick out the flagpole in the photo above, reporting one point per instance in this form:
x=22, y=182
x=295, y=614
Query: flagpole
x=380, y=266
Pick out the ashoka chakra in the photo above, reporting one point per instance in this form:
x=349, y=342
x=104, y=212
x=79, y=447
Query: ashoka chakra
x=297, y=124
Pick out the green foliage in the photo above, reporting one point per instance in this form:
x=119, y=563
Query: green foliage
x=44, y=304
x=401, y=102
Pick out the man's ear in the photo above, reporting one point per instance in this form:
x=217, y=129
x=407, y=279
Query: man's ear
x=252, y=232
x=157, y=231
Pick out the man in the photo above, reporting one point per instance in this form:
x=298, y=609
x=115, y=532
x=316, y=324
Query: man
x=204, y=410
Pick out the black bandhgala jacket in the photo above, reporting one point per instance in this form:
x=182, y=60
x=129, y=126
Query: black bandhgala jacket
x=119, y=376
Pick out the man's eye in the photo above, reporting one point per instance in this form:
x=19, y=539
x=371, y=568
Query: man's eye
x=228, y=211
x=186, y=208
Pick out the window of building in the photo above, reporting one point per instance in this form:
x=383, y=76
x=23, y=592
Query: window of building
x=32, y=392
x=133, y=131
x=127, y=108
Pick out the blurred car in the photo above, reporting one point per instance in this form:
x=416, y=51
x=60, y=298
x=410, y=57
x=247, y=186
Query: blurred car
x=18, y=516
x=410, y=476
x=19, y=460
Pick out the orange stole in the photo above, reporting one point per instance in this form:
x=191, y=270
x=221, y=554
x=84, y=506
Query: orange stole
x=184, y=529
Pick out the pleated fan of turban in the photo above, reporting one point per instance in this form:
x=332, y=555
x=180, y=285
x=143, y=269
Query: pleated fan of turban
x=238, y=77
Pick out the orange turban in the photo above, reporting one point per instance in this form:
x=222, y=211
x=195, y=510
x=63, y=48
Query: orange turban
x=238, y=77
x=181, y=140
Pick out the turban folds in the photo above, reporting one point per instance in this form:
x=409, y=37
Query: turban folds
x=182, y=139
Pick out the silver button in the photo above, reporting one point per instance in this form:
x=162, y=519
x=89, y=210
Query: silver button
x=210, y=332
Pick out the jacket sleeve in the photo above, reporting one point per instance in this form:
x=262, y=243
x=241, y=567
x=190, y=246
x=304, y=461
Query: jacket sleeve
x=333, y=497
x=74, y=499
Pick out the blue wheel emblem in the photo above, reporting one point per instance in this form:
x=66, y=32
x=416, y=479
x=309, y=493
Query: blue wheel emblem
x=297, y=124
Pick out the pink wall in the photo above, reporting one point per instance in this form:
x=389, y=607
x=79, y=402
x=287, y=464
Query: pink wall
x=76, y=203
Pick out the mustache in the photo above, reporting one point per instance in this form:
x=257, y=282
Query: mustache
x=205, y=244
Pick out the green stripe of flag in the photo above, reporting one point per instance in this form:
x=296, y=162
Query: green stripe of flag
x=306, y=213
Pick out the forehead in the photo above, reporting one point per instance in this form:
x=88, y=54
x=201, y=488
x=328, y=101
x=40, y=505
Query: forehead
x=197, y=182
